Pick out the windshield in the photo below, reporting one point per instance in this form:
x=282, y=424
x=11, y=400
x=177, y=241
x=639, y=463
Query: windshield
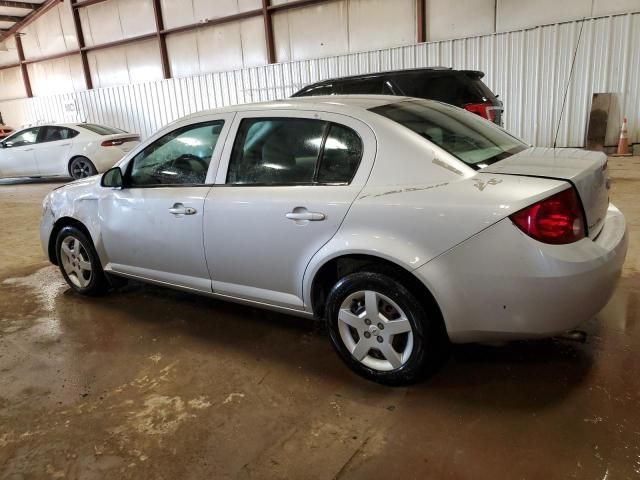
x=475, y=141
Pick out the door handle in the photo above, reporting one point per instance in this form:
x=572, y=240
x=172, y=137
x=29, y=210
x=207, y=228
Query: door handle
x=65, y=144
x=303, y=214
x=180, y=209
x=28, y=149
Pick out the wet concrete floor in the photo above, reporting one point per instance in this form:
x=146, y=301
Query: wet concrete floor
x=151, y=383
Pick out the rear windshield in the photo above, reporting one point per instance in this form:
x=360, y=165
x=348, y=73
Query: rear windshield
x=101, y=129
x=475, y=141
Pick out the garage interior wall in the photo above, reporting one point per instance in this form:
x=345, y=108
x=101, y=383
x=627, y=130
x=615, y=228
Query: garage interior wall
x=525, y=55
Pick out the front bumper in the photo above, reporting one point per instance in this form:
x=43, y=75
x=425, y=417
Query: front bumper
x=501, y=284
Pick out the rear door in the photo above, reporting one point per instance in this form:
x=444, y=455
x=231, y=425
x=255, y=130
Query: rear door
x=285, y=183
x=52, y=151
x=17, y=156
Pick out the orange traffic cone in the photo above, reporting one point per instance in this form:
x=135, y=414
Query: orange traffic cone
x=623, y=143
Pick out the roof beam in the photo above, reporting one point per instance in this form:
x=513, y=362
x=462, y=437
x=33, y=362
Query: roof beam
x=25, y=5
x=26, y=20
x=10, y=18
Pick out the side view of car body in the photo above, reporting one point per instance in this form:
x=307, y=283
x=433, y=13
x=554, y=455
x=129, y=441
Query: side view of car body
x=403, y=223
x=462, y=88
x=63, y=150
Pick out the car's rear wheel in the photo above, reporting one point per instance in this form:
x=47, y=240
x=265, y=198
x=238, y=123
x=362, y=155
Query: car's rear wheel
x=82, y=167
x=79, y=262
x=381, y=330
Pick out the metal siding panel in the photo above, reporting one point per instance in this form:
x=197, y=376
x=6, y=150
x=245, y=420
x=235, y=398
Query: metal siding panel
x=528, y=68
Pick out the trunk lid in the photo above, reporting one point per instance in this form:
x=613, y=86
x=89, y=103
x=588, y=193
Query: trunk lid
x=586, y=170
x=124, y=141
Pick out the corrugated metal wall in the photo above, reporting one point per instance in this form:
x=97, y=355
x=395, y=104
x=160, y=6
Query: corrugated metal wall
x=528, y=68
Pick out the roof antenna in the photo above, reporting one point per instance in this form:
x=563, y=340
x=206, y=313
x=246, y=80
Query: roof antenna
x=566, y=91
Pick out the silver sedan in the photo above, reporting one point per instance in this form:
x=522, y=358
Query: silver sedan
x=403, y=224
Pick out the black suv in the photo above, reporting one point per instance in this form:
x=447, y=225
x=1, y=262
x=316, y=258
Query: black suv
x=462, y=88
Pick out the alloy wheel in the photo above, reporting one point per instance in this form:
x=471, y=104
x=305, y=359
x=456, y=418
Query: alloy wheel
x=76, y=262
x=81, y=169
x=375, y=330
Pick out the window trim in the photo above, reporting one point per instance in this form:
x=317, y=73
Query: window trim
x=190, y=126
x=319, y=158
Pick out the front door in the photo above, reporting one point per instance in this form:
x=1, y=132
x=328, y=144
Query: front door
x=52, y=154
x=152, y=227
x=283, y=188
x=17, y=157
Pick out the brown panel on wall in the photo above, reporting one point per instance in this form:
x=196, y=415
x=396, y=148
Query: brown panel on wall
x=598, y=120
x=83, y=54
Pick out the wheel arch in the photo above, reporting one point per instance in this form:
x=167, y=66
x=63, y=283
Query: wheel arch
x=327, y=274
x=59, y=225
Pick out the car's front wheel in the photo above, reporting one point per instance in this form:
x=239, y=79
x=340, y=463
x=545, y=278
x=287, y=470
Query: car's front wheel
x=79, y=262
x=381, y=330
x=82, y=167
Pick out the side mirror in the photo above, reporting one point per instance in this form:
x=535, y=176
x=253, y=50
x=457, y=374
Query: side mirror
x=3, y=145
x=112, y=178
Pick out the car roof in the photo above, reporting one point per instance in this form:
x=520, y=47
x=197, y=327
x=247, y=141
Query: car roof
x=327, y=103
x=408, y=71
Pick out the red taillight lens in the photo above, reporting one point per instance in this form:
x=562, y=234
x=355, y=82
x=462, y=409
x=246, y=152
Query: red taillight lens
x=485, y=110
x=119, y=141
x=557, y=219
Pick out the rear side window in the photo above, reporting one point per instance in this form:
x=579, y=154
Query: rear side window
x=54, y=134
x=341, y=155
x=101, y=129
x=293, y=151
x=372, y=86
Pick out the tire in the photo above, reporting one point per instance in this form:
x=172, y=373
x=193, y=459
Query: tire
x=82, y=167
x=419, y=341
x=79, y=262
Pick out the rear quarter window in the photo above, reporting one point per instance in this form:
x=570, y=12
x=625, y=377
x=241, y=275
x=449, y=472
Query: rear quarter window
x=453, y=88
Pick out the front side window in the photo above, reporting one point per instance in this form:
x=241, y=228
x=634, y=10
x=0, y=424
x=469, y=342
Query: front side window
x=316, y=91
x=466, y=136
x=181, y=157
x=293, y=151
x=20, y=139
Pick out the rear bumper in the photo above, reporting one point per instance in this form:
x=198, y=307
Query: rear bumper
x=501, y=284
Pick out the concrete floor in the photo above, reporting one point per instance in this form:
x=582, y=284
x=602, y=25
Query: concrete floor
x=150, y=383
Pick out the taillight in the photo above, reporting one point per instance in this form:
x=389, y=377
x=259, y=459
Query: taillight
x=485, y=110
x=557, y=219
x=119, y=141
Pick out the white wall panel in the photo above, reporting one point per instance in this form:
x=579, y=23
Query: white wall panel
x=12, y=86
x=316, y=31
x=515, y=14
x=462, y=18
x=528, y=68
x=381, y=24
x=52, y=77
x=177, y=13
x=132, y=63
x=50, y=34
x=215, y=48
x=116, y=20
x=10, y=57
